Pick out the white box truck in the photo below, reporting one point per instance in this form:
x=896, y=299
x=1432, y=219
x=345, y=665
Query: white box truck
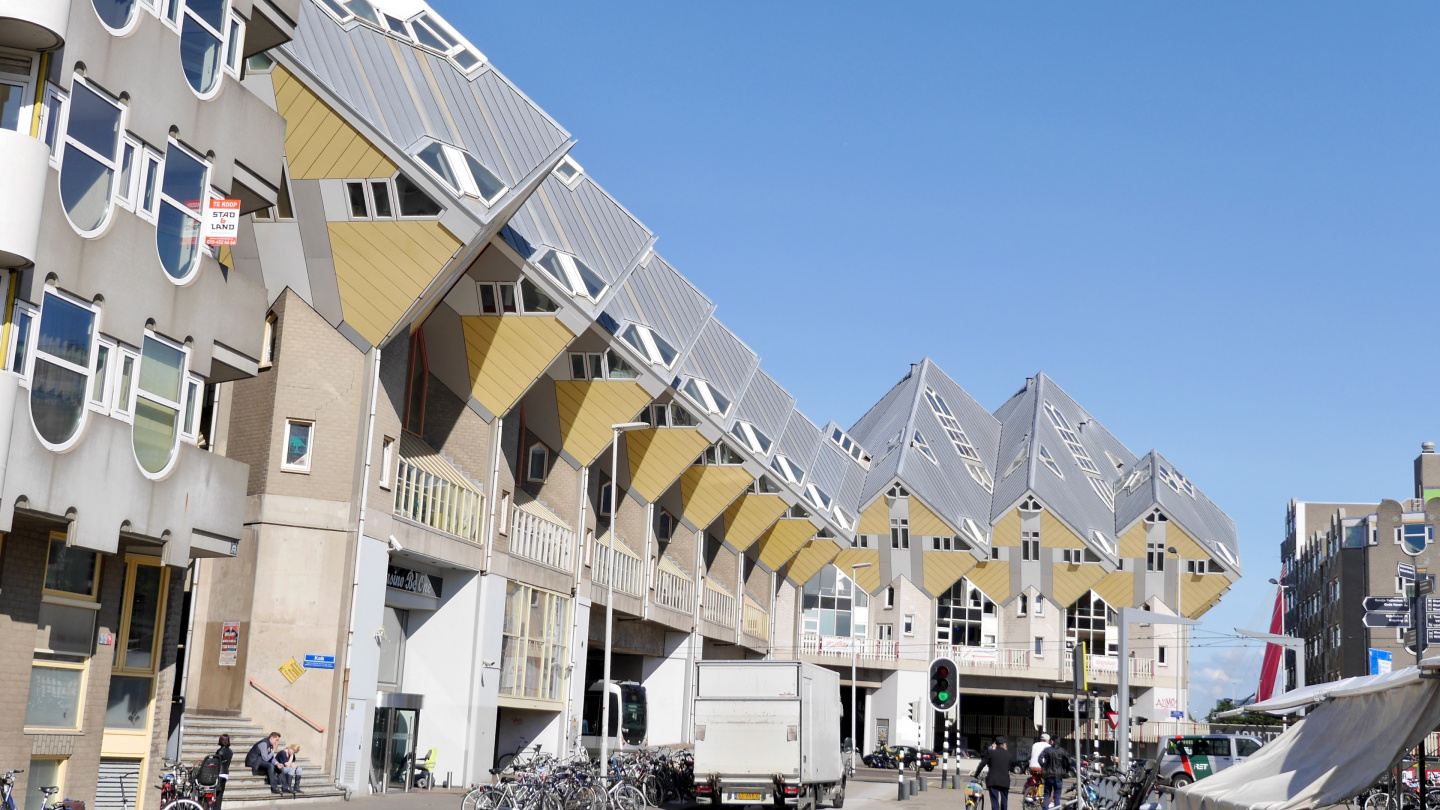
x=768, y=732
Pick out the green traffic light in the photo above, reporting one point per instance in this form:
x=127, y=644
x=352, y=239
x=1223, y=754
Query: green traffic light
x=943, y=696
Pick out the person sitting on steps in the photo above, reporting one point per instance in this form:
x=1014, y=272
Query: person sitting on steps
x=261, y=760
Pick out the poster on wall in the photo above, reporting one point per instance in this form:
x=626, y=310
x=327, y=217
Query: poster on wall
x=229, y=643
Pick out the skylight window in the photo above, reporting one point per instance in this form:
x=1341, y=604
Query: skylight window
x=850, y=446
x=952, y=427
x=1103, y=490
x=460, y=171
x=569, y=172
x=981, y=476
x=706, y=396
x=1071, y=440
x=817, y=496
x=1225, y=552
x=1104, y=543
x=788, y=469
x=650, y=345
x=1175, y=480
x=363, y=10
x=752, y=437
x=924, y=448
x=1049, y=461
x=843, y=518
x=1020, y=459
x=431, y=33
x=973, y=529
x=573, y=274
x=396, y=26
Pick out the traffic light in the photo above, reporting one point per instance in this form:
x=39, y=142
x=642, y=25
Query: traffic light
x=915, y=710
x=944, y=684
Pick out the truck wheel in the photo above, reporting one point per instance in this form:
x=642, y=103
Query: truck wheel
x=837, y=797
x=1180, y=780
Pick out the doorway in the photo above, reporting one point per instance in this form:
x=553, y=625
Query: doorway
x=393, y=740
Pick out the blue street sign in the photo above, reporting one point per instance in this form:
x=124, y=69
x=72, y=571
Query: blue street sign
x=1178, y=715
x=319, y=661
x=1381, y=661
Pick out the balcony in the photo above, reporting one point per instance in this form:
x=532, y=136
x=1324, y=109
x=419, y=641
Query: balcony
x=629, y=571
x=34, y=25
x=719, y=606
x=22, y=196
x=842, y=648
x=1106, y=669
x=429, y=490
x=754, y=620
x=986, y=660
x=674, y=589
x=539, y=535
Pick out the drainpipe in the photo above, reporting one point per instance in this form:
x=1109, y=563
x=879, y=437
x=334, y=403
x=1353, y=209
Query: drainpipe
x=574, y=648
x=495, y=491
x=359, y=545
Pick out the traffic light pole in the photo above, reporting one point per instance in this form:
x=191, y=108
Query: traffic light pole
x=1078, y=659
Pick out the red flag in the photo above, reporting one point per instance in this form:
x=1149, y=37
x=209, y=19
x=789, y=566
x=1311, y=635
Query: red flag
x=1274, y=653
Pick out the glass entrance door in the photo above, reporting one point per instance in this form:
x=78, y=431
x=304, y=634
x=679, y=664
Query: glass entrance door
x=392, y=747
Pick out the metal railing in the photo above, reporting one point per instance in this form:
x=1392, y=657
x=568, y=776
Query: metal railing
x=718, y=607
x=865, y=649
x=985, y=658
x=629, y=575
x=540, y=540
x=1106, y=669
x=754, y=621
x=674, y=592
x=437, y=502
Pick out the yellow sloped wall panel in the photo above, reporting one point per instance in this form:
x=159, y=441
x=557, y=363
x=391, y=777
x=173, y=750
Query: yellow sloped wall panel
x=318, y=142
x=705, y=491
x=587, y=410
x=749, y=516
x=1199, y=591
x=926, y=523
x=382, y=267
x=658, y=456
x=780, y=542
x=876, y=519
x=1070, y=582
x=1007, y=530
x=943, y=568
x=506, y=354
x=1054, y=534
x=992, y=577
x=1117, y=589
x=1132, y=543
x=815, y=555
x=867, y=578
x=1184, y=543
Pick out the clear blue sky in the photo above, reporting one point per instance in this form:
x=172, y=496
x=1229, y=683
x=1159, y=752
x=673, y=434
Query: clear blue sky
x=1215, y=225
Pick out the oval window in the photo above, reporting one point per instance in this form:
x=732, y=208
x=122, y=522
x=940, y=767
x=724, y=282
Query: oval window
x=87, y=173
x=182, y=193
x=202, y=44
x=63, y=346
x=157, y=405
x=115, y=14
x=1412, y=538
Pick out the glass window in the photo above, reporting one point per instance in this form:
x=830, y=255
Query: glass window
x=532, y=651
x=488, y=184
x=54, y=699
x=69, y=570
x=1245, y=746
x=87, y=173
x=128, y=705
x=435, y=159
x=182, y=197
x=144, y=617
x=44, y=773
x=297, y=445
x=359, y=206
x=61, y=373
x=157, y=405
x=380, y=190
x=568, y=171
x=202, y=40
x=539, y=459
x=13, y=97
x=619, y=368
x=1413, y=537
x=413, y=201
x=116, y=14
x=534, y=301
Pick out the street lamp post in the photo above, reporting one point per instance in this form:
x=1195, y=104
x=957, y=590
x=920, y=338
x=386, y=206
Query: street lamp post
x=854, y=655
x=610, y=588
x=1299, y=682
x=1179, y=633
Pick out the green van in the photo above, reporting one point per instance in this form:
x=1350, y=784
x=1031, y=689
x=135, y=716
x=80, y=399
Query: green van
x=1191, y=757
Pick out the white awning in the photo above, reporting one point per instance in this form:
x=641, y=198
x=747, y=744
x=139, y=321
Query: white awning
x=1359, y=729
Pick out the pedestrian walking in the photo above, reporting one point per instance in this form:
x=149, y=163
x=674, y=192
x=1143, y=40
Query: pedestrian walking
x=223, y=755
x=996, y=760
x=1055, y=765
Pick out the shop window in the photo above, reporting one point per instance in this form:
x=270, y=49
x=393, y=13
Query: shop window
x=60, y=375
x=532, y=652
x=90, y=160
x=182, y=199
x=137, y=645
x=71, y=571
x=44, y=772
x=299, y=434
x=155, y=432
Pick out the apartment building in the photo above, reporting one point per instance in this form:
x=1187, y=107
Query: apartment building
x=1336, y=554
x=118, y=118
x=457, y=317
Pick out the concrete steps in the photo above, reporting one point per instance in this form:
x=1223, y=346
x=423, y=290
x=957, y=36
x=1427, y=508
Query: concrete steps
x=244, y=788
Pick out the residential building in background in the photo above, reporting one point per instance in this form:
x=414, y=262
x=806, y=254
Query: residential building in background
x=1336, y=554
x=117, y=120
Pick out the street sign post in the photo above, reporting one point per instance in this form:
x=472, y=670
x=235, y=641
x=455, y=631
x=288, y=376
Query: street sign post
x=1392, y=619
x=1387, y=603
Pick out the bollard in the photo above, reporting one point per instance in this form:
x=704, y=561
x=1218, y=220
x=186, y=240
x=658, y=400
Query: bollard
x=912, y=787
x=924, y=783
x=904, y=792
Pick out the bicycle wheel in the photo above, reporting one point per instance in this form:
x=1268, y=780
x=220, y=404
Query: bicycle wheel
x=627, y=797
x=184, y=804
x=650, y=786
x=1380, y=801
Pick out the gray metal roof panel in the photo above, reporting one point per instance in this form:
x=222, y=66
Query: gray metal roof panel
x=801, y=442
x=527, y=135
x=722, y=359
x=1018, y=418
x=1199, y=514
x=829, y=470
x=945, y=484
x=437, y=124
x=657, y=296
x=852, y=489
x=765, y=405
x=475, y=134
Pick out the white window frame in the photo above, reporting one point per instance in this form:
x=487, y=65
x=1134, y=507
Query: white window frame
x=113, y=162
x=819, y=497
x=578, y=172
x=530, y=462
x=309, y=449
x=1049, y=462
x=54, y=117
x=161, y=198
x=125, y=410
x=27, y=88
x=908, y=625
x=1022, y=605
x=125, y=188
x=387, y=460
x=227, y=16
x=30, y=312
x=850, y=447
x=455, y=157
x=234, y=44
x=1162, y=655
x=136, y=394
x=843, y=518
x=150, y=158
x=648, y=347
x=704, y=395
x=89, y=371
x=569, y=266
x=587, y=361
x=753, y=438
x=1039, y=604
x=787, y=469
x=192, y=394
x=112, y=351
x=919, y=443
x=890, y=597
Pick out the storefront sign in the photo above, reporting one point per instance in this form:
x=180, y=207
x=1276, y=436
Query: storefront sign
x=292, y=670
x=229, y=643
x=403, y=579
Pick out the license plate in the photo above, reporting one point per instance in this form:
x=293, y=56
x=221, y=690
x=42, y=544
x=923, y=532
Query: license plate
x=748, y=797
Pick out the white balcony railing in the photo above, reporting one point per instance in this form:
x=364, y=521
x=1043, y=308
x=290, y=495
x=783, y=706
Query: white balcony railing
x=629, y=572
x=842, y=647
x=535, y=534
x=1106, y=668
x=431, y=491
x=673, y=588
x=985, y=658
x=754, y=620
x=719, y=605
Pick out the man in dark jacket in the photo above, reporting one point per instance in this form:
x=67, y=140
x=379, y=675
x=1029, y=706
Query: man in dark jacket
x=1055, y=763
x=261, y=760
x=997, y=759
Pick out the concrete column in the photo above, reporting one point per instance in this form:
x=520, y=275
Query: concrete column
x=667, y=688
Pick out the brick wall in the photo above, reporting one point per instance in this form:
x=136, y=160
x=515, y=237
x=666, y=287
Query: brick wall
x=253, y=404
